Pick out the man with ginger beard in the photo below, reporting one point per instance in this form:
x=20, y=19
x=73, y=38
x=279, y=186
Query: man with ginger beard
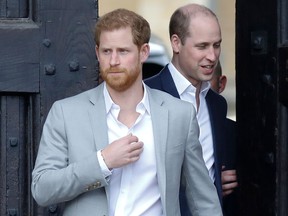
x=120, y=79
x=122, y=148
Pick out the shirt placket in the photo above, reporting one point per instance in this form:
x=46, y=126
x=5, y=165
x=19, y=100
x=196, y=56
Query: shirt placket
x=123, y=206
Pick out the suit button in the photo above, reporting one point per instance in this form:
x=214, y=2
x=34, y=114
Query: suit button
x=97, y=184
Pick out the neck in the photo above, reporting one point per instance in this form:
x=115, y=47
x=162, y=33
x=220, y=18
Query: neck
x=128, y=99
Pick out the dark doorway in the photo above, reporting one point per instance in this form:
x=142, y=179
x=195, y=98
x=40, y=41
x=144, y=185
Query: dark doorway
x=261, y=106
x=47, y=53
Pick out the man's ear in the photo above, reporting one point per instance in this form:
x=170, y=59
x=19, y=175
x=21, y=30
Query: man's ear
x=97, y=51
x=175, y=43
x=222, y=83
x=144, y=52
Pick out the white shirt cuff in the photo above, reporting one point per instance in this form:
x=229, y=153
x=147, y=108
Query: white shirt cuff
x=105, y=170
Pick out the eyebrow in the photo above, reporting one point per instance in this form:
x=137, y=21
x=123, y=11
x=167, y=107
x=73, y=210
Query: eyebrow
x=206, y=43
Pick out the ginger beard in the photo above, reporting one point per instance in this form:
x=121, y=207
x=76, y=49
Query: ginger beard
x=120, y=79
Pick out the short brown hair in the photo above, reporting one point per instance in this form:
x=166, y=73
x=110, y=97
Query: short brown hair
x=181, y=18
x=122, y=18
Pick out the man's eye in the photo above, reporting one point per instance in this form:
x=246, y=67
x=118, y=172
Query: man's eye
x=123, y=51
x=106, y=52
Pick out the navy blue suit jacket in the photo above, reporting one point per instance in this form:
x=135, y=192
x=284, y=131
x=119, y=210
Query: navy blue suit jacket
x=217, y=107
x=230, y=207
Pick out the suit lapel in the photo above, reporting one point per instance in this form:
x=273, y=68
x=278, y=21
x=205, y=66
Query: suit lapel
x=168, y=83
x=217, y=125
x=97, y=114
x=159, y=116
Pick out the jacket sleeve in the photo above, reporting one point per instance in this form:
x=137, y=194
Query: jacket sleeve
x=57, y=177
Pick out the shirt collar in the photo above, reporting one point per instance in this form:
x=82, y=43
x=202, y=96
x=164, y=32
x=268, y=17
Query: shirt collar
x=141, y=107
x=183, y=85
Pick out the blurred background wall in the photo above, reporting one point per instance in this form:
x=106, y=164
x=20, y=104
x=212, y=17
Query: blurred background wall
x=158, y=13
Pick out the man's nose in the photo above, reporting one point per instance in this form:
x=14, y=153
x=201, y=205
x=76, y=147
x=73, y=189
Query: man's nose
x=114, y=59
x=212, y=54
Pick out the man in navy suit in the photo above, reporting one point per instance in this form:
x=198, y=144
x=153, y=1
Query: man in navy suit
x=229, y=175
x=195, y=38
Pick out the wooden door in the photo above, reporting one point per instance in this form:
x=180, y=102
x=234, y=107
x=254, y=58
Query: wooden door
x=46, y=53
x=262, y=106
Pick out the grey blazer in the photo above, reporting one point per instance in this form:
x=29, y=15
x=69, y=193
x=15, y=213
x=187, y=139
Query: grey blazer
x=67, y=169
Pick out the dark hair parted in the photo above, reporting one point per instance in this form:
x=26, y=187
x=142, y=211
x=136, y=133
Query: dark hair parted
x=181, y=18
x=123, y=18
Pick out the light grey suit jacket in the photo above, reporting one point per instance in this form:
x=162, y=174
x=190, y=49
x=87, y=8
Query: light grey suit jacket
x=67, y=169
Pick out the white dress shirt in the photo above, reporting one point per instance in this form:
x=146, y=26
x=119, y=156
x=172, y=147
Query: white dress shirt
x=133, y=188
x=187, y=92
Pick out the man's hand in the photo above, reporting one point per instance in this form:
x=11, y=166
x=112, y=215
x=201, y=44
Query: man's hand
x=229, y=181
x=123, y=151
